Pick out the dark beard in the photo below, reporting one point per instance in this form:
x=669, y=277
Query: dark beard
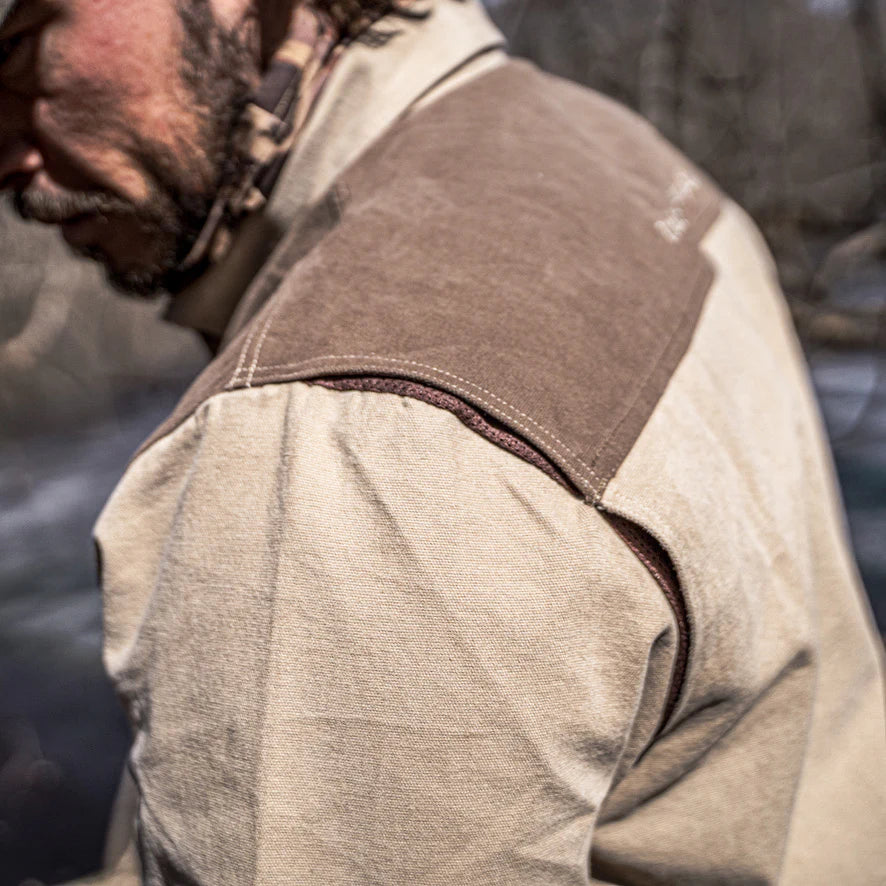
x=170, y=219
x=216, y=68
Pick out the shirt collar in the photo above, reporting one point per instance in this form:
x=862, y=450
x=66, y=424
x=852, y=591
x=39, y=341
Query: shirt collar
x=371, y=86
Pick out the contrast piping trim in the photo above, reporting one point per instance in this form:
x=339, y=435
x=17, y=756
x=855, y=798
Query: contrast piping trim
x=656, y=559
x=482, y=424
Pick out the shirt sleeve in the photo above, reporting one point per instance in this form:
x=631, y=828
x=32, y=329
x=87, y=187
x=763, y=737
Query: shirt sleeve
x=360, y=644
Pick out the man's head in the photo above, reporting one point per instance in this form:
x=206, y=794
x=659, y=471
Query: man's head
x=117, y=121
x=118, y=118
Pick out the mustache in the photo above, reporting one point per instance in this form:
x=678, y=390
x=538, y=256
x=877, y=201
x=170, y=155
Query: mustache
x=54, y=209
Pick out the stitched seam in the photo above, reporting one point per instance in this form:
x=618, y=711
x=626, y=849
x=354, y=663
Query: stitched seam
x=420, y=390
x=258, y=348
x=511, y=409
x=276, y=275
x=242, y=361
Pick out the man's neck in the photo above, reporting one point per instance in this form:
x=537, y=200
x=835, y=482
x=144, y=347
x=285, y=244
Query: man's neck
x=370, y=88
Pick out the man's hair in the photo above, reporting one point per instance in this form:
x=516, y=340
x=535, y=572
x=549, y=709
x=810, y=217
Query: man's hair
x=349, y=15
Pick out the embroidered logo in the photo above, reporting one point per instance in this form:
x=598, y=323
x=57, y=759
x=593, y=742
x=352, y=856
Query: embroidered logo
x=674, y=225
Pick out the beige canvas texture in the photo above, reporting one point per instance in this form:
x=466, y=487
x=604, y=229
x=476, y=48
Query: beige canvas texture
x=775, y=767
x=361, y=644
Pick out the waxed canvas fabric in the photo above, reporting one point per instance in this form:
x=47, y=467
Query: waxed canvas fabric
x=482, y=236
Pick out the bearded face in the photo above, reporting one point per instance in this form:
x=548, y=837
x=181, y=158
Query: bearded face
x=117, y=122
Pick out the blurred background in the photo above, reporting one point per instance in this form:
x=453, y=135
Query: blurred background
x=783, y=102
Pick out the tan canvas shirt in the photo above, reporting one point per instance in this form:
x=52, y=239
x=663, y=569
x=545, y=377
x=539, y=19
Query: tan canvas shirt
x=500, y=543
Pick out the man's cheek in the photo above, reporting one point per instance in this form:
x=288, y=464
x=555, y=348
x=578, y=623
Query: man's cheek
x=86, y=151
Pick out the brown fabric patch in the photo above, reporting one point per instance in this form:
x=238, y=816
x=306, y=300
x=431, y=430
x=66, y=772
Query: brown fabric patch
x=523, y=244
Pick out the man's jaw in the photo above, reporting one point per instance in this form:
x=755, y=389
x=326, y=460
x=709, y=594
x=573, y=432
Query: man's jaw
x=134, y=244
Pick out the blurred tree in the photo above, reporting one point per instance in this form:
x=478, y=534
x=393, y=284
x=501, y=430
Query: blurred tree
x=783, y=103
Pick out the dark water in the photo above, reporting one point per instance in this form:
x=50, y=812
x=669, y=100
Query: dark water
x=62, y=735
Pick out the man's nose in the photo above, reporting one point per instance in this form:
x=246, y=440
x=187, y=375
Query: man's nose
x=18, y=160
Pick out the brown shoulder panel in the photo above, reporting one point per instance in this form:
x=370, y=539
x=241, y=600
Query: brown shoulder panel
x=523, y=244
x=307, y=231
